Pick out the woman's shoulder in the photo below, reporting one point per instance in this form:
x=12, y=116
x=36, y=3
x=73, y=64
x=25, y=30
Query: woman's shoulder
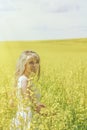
x=21, y=79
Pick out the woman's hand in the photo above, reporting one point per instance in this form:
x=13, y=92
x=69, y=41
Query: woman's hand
x=39, y=107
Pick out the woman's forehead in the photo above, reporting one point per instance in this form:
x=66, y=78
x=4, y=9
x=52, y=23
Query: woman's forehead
x=33, y=58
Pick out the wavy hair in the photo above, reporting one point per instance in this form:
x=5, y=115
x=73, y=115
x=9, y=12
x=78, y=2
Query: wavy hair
x=20, y=67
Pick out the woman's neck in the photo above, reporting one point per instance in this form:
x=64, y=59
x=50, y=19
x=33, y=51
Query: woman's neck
x=26, y=74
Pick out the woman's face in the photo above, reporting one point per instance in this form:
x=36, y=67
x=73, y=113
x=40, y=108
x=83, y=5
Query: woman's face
x=32, y=65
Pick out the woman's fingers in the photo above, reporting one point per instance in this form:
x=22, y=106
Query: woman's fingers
x=42, y=105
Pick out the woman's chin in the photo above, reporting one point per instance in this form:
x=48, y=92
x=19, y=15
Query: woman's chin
x=34, y=71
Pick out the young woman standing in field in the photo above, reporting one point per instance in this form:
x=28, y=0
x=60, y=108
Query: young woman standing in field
x=27, y=69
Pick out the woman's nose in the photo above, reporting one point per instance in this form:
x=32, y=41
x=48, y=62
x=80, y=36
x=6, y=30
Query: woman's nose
x=34, y=64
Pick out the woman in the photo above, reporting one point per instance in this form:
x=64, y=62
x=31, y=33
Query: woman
x=27, y=69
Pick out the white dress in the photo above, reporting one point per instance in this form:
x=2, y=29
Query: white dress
x=23, y=116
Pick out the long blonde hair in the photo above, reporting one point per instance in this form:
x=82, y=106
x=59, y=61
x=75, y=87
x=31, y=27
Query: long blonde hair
x=20, y=67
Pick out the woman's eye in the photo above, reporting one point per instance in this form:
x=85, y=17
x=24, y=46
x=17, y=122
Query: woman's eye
x=31, y=62
x=37, y=62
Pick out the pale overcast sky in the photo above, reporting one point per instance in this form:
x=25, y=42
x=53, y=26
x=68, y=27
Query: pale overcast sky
x=42, y=19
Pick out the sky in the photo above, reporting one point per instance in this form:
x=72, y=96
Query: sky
x=42, y=19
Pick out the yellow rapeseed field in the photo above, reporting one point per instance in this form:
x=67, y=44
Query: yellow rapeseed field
x=62, y=84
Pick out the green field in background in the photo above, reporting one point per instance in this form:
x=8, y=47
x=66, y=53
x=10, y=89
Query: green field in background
x=63, y=82
x=54, y=52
